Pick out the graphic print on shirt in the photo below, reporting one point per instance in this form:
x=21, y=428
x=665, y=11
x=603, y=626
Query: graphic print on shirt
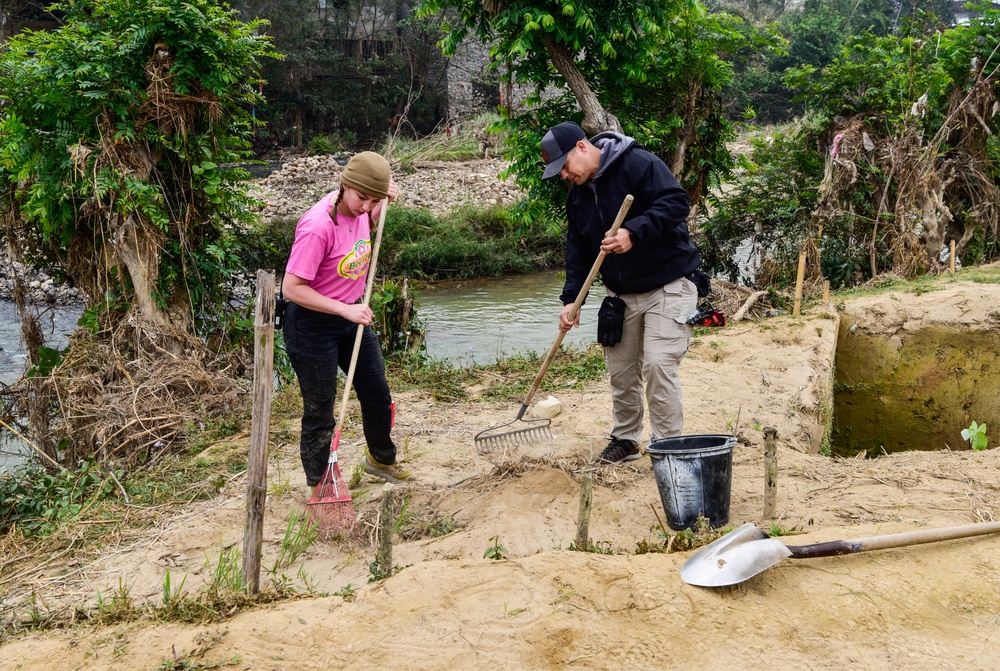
x=355, y=262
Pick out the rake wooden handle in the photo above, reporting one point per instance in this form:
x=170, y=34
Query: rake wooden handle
x=580, y=297
x=369, y=283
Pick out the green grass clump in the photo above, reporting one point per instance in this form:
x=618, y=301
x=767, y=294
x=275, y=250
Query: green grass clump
x=465, y=141
x=470, y=242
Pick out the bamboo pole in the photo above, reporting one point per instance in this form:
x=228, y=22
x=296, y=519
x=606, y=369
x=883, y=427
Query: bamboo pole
x=826, y=290
x=951, y=258
x=799, y=277
x=770, y=471
x=260, y=428
x=583, y=516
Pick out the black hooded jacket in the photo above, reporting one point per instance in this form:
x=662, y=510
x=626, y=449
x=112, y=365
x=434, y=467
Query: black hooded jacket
x=662, y=249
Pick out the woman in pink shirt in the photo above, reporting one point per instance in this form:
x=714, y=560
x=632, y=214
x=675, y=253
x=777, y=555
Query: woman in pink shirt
x=324, y=283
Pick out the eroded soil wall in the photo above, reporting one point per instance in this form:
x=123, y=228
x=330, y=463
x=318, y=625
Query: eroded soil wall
x=914, y=389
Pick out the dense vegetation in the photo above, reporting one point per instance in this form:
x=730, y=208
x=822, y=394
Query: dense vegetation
x=891, y=157
x=897, y=158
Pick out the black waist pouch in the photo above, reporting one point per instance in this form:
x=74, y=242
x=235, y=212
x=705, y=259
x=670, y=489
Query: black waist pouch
x=702, y=280
x=610, y=319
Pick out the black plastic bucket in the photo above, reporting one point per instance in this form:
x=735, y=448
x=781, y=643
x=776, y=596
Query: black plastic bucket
x=694, y=475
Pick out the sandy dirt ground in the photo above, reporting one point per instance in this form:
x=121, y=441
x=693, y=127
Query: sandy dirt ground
x=931, y=606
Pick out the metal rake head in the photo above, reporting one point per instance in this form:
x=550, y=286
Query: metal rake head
x=499, y=438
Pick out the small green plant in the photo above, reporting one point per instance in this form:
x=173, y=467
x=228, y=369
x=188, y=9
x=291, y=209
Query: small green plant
x=777, y=530
x=976, y=435
x=357, y=474
x=496, y=552
x=227, y=575
x=377, y=573
x=280, y=484
x=511, y=612
x=171, y=597
x=116, y=608
x=300, y=534
x=442, y=527
x=38, y=502
x=347, y=592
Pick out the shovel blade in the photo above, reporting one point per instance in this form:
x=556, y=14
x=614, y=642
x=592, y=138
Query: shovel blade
x=737, y=556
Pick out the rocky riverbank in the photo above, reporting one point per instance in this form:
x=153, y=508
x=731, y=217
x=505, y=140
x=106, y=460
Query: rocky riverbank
x=437, y=186
x=41, y=286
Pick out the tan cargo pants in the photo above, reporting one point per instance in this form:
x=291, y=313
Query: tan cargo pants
x=654, y=340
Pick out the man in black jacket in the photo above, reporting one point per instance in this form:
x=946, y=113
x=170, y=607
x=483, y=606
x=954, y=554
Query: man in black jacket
x=650, y=257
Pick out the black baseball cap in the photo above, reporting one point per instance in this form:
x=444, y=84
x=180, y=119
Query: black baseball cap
x=558, y=142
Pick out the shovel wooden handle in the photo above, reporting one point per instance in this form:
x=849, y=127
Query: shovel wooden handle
x=835, y=548
x=581, y=296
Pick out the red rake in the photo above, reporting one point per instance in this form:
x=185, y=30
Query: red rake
x=330, y=506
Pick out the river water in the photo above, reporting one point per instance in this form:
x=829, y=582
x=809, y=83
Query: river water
x=57, y=326
x=479, y=321
x=467, y=322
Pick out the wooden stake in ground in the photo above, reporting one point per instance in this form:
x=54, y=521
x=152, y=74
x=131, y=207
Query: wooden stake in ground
x=799, y=277
x=826, y=290
x=583, y=516
x=260, y=429
x=386, y=523
x=951, y=257
x=770, y=471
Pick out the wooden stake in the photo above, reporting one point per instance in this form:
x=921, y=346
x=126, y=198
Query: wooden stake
x=583, y=516
x=260, y=429
x=770, y=471
x=951, y=258
x=826, y=290
x=386, y=523
x=799, y=277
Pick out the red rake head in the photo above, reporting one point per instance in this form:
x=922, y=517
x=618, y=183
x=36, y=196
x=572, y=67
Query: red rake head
x=330, y=507
x=332, y=519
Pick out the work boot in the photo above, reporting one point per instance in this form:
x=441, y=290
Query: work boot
x=393, y=473
x=617, y=451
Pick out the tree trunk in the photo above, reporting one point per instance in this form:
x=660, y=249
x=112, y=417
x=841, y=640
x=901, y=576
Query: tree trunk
x=688, y=135
x=596, y=119
x=138, y=248
x=140, y=255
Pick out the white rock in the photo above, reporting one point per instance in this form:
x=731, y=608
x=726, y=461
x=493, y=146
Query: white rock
x=549, y=407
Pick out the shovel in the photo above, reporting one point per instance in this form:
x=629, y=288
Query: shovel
x=747, y=551
x=523, y=431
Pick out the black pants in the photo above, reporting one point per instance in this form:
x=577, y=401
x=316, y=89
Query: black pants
x=318, y=344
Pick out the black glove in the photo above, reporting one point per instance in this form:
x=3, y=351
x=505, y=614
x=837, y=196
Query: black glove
x=610, y=319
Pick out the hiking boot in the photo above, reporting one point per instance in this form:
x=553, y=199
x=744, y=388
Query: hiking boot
x=617, y=451
x=389, y=472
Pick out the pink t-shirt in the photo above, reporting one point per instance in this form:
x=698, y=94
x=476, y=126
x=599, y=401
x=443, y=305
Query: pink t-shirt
x=333, y=259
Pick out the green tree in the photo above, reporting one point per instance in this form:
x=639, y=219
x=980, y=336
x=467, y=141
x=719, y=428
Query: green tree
x=898, y=158
x=115, y=132
x=650, y=69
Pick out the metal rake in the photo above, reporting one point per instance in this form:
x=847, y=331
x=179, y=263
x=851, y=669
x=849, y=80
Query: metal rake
x=500, y=437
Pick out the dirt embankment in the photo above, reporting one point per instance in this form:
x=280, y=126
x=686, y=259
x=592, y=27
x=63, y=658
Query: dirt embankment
x=542, y=607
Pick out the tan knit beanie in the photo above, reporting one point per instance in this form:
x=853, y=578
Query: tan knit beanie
x=368, y=173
